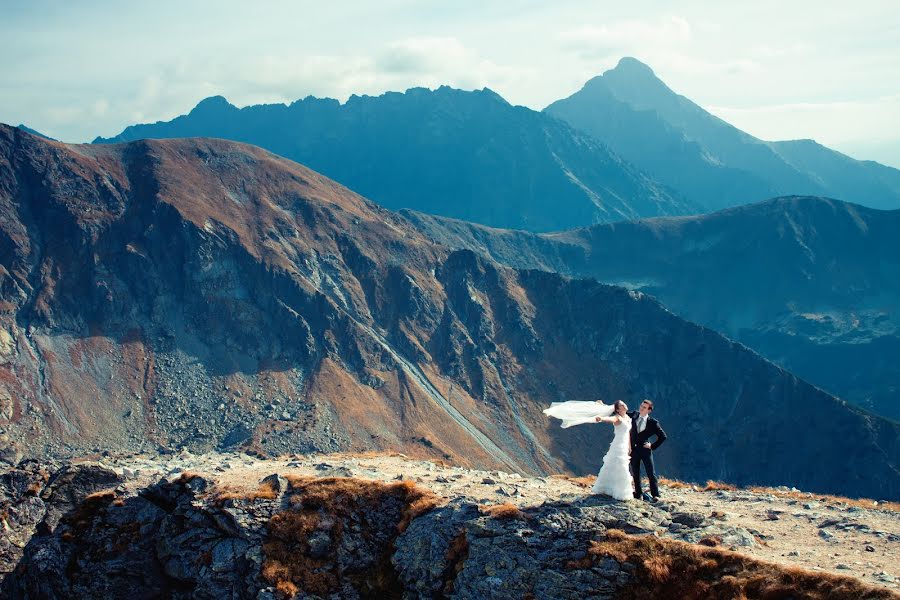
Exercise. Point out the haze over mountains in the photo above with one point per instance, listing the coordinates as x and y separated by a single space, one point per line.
469 155
708 160
813 284
206 293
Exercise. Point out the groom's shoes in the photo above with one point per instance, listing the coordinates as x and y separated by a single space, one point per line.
648 498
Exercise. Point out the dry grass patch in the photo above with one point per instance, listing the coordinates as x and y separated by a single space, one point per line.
504 512
778 493
304 541
187 477
84 514
672 569
714 486
265 491
827 498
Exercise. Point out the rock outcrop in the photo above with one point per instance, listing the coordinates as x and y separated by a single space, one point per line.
298 535
207 294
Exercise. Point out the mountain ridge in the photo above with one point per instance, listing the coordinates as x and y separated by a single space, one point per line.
808 282
705 157
206 294
479 157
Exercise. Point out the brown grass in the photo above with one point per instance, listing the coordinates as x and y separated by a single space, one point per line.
327 507
675 484
672 569
713 486
828 498
187 477
793 495
265 491
80 518
503 512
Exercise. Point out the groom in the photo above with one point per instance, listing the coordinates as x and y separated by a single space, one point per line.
643 427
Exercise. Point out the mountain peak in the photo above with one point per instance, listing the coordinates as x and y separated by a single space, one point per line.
631 65
633 75
212 104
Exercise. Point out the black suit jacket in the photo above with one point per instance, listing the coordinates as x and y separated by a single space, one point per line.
638 439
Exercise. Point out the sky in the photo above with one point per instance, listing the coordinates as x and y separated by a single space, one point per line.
784 69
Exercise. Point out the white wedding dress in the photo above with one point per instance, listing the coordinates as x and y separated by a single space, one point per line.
614 478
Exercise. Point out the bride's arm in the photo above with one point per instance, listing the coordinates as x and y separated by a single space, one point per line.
613 420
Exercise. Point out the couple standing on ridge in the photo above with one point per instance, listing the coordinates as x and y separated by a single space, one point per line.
620 475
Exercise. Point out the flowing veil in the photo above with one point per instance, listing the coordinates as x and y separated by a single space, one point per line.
578 412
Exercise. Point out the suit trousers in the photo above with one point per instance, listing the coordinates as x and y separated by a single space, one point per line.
646 456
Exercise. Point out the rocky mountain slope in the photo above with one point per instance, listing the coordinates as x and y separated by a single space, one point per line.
811 283
229 525
207 294
28 129
707 159
469 155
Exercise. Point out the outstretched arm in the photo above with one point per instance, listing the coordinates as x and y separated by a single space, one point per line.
614 420
660 437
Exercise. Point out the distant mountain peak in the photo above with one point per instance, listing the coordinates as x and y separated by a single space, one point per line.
212 104
631 65
631 76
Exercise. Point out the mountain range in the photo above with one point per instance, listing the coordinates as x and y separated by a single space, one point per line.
811 283
624 147
706 159
469 155
202 293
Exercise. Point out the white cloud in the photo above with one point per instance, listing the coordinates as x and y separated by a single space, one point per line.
600 41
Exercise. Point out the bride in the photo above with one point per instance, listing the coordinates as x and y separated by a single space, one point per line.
614 478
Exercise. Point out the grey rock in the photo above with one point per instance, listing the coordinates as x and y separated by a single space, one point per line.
688 519
826 535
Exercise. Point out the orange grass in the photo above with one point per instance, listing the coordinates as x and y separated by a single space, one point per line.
673 569
265 491
503 512
791 494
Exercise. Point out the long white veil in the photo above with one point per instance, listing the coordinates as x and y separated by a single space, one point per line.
578 412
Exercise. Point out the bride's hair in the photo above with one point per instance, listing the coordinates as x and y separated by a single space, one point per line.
616 406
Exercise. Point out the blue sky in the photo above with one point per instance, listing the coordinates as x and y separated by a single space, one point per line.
779 70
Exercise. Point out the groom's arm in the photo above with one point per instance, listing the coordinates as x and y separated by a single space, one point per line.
660 437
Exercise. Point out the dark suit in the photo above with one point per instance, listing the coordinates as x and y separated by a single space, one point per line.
639 454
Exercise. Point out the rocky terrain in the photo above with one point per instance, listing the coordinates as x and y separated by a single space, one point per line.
357 526
811 283
469 155
210 295
707 159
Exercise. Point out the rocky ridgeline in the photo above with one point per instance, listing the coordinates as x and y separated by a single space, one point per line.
231 525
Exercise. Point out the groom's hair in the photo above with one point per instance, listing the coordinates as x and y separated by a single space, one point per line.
650 402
